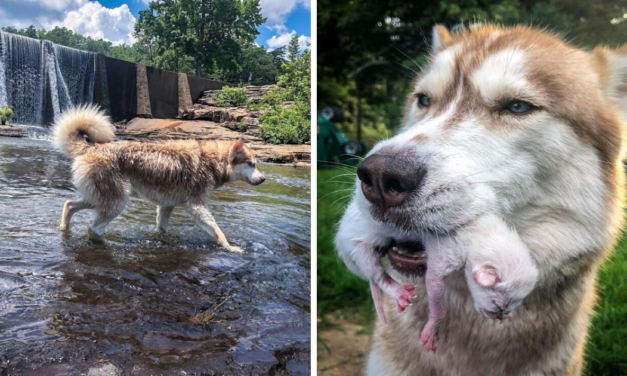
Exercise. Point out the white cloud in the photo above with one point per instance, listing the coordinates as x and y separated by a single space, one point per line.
84 17
283 39
94 20
276 11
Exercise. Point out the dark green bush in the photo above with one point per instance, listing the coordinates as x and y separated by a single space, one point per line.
289 125
6 114
231 97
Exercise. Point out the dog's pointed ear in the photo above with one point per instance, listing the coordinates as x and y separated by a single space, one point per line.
612 69
237 147
486 276
440 38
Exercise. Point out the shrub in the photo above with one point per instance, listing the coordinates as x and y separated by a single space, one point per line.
6 114
285 126
231 97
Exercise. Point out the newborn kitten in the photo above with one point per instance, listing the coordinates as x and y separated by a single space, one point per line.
497 264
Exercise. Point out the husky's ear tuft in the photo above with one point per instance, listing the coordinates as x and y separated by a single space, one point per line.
612 69
237 147
440 37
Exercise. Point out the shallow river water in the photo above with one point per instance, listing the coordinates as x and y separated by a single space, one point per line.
151 304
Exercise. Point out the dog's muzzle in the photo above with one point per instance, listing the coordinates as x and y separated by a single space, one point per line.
389 180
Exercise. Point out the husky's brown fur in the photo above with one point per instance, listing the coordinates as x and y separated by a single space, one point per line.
168 173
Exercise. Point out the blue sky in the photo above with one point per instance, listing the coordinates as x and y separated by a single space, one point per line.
114 19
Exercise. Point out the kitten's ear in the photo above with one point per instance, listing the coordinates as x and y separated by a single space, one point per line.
486 276
237 147
440 37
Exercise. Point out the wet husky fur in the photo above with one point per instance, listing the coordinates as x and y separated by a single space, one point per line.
168 173
554 173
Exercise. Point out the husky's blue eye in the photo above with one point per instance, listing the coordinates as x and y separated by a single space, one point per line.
423 100
519 107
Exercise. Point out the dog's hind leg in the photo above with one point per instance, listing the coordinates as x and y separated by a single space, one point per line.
103 218
205 220
163 217
69 209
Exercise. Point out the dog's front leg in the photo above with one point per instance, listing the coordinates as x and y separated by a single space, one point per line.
202 216
163 217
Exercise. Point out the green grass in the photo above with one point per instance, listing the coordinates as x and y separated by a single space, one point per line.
339 291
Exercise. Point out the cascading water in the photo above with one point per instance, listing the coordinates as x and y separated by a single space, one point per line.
40 79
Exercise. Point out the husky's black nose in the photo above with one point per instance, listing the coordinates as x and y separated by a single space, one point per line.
388 180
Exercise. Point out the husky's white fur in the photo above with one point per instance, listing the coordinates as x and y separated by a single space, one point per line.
553 173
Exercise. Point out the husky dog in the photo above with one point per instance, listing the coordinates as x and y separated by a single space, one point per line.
168 173
515 122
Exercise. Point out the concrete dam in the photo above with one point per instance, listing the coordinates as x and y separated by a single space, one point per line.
40 79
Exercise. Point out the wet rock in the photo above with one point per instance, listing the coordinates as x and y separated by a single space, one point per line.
107 369
252 92
217 114
142 129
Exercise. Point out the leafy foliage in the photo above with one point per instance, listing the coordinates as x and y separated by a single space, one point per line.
64 37
6 114
285 126
231 97
198 36
289 125
207 38
371 49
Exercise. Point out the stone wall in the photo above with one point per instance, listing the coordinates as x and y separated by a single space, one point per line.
137 90
122 87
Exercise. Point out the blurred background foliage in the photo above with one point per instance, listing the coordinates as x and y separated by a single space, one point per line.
369 50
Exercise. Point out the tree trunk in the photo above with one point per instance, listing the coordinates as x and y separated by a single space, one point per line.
198 68
359 118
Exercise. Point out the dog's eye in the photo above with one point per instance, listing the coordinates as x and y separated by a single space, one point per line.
519 107
423 100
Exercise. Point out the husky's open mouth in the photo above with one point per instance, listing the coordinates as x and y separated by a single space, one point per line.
408 257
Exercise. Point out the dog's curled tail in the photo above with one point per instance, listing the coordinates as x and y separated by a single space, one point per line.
78 128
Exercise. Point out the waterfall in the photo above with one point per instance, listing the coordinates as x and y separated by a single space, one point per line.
40 79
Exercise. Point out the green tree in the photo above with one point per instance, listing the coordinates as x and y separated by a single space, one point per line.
293 48
296 77
198 35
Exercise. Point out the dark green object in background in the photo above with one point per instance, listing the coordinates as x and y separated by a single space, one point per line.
333 145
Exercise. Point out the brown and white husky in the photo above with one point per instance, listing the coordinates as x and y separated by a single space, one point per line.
167 173
513 122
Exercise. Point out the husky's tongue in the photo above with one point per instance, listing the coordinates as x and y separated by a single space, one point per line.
407 257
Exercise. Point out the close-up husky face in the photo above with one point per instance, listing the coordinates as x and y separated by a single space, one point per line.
244 165
490 123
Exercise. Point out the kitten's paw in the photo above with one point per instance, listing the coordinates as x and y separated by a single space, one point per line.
429 337
403 295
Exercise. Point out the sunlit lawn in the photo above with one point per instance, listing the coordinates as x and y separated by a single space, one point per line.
339 290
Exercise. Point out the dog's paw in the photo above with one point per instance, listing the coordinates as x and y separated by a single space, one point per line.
94 237
63 227
235 249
